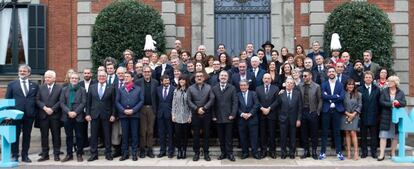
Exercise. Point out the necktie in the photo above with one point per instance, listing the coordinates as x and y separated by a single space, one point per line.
245 97
110 79
50 90
267 89
100 92
289 96
165 92
339 77
26 91
222 87
319 68
369 91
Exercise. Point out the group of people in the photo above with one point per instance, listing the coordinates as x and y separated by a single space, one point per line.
251 96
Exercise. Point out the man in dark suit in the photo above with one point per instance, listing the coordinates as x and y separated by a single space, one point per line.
99 112
85 83
369 114
289 117
333 94
257 71
224 113
248 120
214 76
129 101
200 101
341 76
164 99
243 74
112 78
267 95
312 105
347 64
24 92
49 115
163 69
319 70
147 117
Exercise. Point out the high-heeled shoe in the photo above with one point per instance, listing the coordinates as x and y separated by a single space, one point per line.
380 159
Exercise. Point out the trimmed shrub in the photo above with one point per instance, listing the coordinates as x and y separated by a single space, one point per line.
361 26
124 25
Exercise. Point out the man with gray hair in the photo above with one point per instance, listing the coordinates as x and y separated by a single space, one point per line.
49 115
369 64
201 49
24 92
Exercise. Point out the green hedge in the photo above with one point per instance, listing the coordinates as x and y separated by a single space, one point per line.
361 26
124 25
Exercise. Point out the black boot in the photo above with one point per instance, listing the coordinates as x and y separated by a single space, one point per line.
142 153
314 154
184 153
117 151
179 153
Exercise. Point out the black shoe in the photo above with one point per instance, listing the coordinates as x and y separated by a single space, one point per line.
179 153
93 158
79 158
306 154
231 157
364 155
43 158
142 153
109 157
26 160
244 156
314 155
292 156
283 156
207 157
117 153
272 155
256 156
161 155
374 155
134 158
123 158
67 158
196 157
171 155
222 156
184 155
56 158
150 154
263 154
380 159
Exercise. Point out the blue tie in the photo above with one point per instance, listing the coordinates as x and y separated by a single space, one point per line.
101 92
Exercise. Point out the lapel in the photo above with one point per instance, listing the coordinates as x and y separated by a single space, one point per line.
241 99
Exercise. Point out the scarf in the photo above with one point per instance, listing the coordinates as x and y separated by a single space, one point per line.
128 86
72 93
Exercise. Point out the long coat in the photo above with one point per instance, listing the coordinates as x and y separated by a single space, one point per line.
386 104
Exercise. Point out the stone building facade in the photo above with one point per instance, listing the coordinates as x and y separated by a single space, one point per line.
70 22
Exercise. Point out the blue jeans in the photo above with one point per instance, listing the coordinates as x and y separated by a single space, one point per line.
130 126
331 118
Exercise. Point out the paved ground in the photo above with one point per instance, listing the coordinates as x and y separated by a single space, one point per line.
155 163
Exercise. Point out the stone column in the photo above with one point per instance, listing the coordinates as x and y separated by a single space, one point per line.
85 21
317 20
168 14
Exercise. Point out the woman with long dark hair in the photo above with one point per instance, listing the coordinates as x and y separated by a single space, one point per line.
181 116
350 119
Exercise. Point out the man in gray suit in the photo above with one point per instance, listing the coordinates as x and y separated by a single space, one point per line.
289 117
369 64
312 105
200 101
47 100
224 112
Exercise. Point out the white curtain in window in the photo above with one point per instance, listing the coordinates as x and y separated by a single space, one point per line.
5 22
24 22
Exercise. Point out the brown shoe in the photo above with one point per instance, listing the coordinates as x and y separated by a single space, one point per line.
67 158
79 158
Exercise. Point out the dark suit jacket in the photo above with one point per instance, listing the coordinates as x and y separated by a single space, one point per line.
225 103
133 99
314 96
290 110
337 97
251 107
78 105
82 83
26 104
169 70
370 105
320 77
213 78
52 101
164 105
344 78
199 98
235 80
258 80
154 85
101 108
268 100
